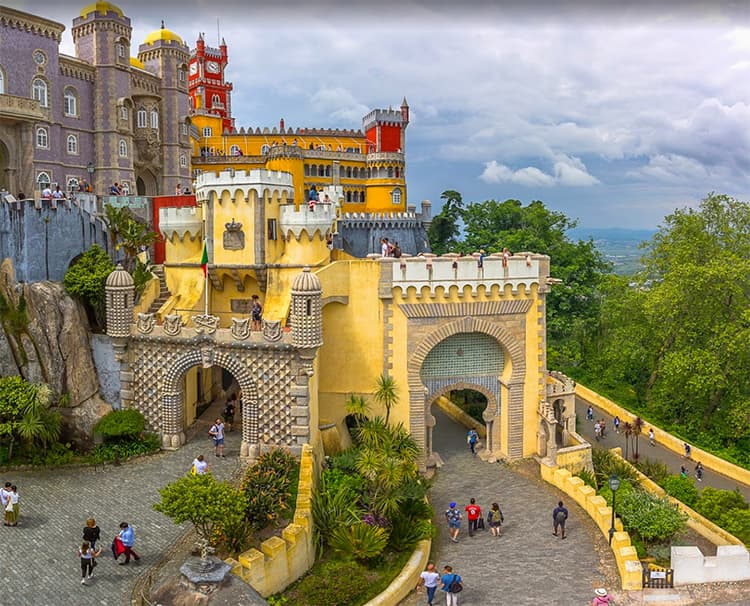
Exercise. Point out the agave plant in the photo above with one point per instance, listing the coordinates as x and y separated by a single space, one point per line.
359 541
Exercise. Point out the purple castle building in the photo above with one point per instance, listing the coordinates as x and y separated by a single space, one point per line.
102 115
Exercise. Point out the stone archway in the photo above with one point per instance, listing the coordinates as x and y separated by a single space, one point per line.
171 397
145 183
421 420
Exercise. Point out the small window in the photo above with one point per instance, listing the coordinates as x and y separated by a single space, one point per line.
348 172
120 47
70 102
123 148
321 171
207 132
124 113
181 76
235 150
307 170
43 180
265 149
215 101
390 172
42 137
308 305
355 173
272 231
2 81
184 129
142 118
72 144
183 161
362 196
39 92
72 184
396 196
154 119
348 196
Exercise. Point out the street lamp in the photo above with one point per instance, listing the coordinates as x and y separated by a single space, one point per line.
91 169
614 484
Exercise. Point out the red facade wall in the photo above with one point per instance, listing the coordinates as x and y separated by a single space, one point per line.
390 138
158 202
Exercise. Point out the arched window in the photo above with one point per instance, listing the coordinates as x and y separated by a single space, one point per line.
124 113
72 144
42 137
234 150
362 196
307 169
72 184
328 171
355 173
207 132
2 81
184 129
141 118
39 92
43 180
348 196
313 170
355 197
398 173
265 149
348 172
70 102
396 196
181 75
321 171
122 148
120 48
154 119
215 101
390 172
183 161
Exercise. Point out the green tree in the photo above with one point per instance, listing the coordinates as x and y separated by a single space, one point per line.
204 502
26 416
87 277
682 489
385 394
446 225
654 519
128 234
714 502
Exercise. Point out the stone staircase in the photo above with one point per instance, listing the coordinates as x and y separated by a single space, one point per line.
164 293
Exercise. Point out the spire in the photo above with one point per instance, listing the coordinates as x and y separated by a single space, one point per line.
162 24
404 103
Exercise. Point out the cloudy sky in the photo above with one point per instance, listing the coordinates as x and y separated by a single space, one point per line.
615 116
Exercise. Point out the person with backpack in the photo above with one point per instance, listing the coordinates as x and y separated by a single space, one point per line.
453 517
217 433
472 438
559 517
495 519
452 586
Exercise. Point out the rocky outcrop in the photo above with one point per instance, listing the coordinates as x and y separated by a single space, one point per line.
45 338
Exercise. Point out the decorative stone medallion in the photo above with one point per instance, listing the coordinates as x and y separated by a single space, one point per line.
241 328
272 330
206 324
145 323
173 324
234 237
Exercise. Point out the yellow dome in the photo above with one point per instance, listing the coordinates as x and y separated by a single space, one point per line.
101 7
163 34
137 63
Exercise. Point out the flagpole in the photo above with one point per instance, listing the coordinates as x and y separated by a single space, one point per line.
206 293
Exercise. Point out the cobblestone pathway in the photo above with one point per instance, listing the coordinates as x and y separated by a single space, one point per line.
526 565
38 558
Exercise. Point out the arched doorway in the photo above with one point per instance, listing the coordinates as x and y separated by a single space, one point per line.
171 397
145 183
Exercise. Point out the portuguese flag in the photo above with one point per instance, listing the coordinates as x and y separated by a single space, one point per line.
204 260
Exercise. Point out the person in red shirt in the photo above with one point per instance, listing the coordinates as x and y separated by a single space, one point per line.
473 513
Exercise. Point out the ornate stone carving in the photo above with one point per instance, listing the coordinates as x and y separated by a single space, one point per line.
145 323
173 324
206 324
241 328
272 330
207 356
234 237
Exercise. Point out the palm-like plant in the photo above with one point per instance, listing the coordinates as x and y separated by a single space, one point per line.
627 430
637 429
385 394
39 425
358 407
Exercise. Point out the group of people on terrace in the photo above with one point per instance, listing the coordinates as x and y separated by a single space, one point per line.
390 249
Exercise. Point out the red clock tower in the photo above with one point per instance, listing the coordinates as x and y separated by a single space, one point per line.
209 93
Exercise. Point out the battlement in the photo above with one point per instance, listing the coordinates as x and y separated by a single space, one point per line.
182 221
297 221
382 116
232 180
451 271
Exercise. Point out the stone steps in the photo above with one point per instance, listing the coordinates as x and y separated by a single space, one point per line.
164 292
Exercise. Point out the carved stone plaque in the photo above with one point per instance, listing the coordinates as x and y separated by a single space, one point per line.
234 237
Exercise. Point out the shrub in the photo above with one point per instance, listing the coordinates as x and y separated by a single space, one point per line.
588 477
625 489
682 489
346 461
124 449
714 502
655 520
120 425
267 488
86 278
405 532
607 464
350 586
654 470
737 522
359 541
332 507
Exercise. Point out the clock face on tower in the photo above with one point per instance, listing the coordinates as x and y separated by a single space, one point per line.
193 69
212 67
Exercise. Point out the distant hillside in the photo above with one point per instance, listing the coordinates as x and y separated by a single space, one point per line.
620 246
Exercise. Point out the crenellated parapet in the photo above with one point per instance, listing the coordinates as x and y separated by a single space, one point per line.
180 222
294 221
230 180
559 384
452 271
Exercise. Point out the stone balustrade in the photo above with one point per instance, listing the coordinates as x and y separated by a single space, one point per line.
21 108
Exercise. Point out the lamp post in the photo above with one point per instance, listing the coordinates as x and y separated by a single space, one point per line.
91 169
614 484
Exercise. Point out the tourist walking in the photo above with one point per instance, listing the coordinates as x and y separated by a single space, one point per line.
452 586
651 437
473 514
597 430
590 413
495 519
429 580
12 507
688 450
217 433
229 409
7 504
91 533
616 424
87 556
699 471
601 597
453 517
200 466
559 517
683 471
472 438
127 536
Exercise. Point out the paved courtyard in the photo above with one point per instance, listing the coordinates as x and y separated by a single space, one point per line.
38 559
526 565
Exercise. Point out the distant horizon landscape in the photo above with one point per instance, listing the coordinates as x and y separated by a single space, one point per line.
620 246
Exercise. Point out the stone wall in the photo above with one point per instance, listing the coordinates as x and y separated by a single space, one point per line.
42 238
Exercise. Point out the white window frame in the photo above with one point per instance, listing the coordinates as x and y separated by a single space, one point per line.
142 118
234 150
70 102
120 49
396 195
122 148
40 91
183 129
2 81
124 112
71 144
71 184
42 182
183 161
207 132
42 137
265 149
215 100
181 75
154 119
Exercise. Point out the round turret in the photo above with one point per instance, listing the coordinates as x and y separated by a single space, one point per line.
306 314
164 34
120 298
